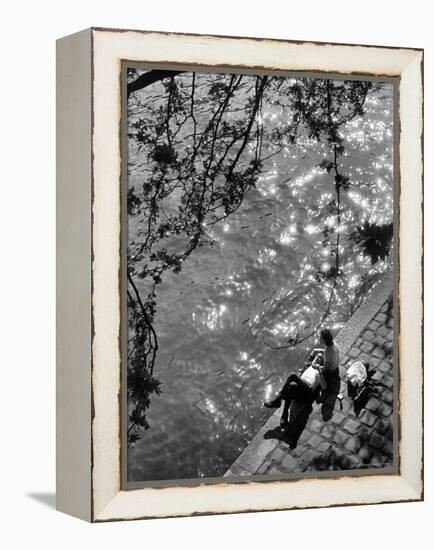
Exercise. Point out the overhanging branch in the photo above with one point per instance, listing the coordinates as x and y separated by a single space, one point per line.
146 79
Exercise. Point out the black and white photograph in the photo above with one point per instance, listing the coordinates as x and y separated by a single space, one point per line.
217 243
258 274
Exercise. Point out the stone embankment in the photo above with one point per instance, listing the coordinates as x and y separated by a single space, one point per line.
335 436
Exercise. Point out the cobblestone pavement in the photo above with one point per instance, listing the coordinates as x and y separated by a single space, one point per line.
333 435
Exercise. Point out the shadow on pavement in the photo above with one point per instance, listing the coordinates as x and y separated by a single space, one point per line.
298 417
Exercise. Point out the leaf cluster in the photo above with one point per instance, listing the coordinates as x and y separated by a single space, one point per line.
374 240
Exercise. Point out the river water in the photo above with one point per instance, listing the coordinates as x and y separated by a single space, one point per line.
258 283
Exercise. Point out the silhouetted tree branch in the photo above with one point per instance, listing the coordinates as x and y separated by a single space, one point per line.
148 78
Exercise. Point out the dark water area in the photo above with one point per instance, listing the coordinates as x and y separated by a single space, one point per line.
258 283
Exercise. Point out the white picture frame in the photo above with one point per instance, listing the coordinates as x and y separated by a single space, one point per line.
89 482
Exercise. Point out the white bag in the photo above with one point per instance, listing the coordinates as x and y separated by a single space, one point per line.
357 374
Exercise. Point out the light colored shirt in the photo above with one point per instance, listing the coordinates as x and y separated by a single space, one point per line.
312 378
331 358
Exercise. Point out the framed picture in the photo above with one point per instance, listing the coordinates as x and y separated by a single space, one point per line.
239 274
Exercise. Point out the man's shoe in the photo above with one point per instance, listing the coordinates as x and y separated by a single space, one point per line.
273 403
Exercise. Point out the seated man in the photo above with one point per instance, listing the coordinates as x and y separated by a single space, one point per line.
331 354
304 388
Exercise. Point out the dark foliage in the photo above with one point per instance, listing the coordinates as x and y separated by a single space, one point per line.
374 240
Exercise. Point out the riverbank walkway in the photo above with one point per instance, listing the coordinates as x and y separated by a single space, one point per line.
334 436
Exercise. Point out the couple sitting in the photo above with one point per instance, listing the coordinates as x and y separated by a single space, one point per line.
323 366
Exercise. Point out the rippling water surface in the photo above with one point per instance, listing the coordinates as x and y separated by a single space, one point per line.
257 282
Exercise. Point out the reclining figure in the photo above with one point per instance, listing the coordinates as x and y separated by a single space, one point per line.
306 387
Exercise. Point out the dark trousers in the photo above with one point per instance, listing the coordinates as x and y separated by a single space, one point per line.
295 388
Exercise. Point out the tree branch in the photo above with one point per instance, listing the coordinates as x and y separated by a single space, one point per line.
146 79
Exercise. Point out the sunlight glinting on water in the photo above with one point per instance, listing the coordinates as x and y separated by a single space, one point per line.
266 255
312 229
289 235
